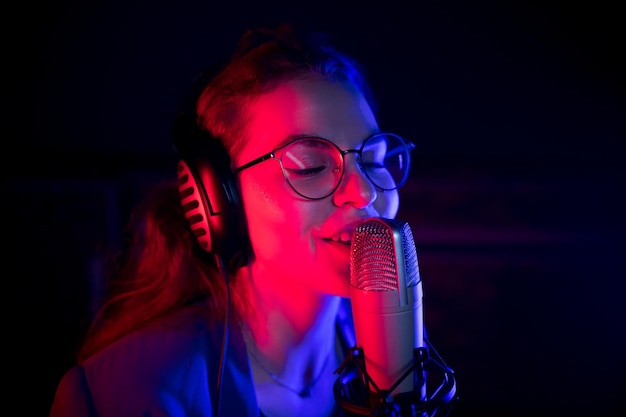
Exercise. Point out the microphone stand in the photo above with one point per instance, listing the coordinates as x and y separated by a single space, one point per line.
353 391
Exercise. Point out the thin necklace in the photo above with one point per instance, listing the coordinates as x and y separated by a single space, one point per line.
306 391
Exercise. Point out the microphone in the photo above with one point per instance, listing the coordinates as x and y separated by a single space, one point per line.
393 366
386 294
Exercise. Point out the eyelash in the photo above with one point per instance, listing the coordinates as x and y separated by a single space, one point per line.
308 172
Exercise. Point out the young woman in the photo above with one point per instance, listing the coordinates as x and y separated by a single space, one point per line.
231 299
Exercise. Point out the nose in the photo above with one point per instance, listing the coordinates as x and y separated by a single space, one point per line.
355 188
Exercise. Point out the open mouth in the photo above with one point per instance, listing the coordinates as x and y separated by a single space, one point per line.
344 238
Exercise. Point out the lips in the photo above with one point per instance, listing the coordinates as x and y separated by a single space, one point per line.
339 230
344 236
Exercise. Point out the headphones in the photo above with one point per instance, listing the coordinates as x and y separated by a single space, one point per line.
206 185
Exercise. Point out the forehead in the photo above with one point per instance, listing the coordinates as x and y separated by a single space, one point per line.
311 106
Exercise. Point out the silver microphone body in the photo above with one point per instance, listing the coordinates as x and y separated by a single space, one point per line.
387 301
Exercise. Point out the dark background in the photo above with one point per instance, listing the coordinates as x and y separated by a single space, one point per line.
515 199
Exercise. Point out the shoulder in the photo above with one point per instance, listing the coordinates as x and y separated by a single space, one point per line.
166 352
72 397
183 333
169 367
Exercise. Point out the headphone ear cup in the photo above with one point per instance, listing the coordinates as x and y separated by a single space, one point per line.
210 201
206 185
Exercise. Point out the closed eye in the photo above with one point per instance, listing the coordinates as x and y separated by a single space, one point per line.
306 172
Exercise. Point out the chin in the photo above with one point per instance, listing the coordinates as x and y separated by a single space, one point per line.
339 287
330 279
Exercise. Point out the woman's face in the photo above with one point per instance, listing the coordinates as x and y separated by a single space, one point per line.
300 244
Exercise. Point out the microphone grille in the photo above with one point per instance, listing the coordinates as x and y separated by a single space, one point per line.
381 248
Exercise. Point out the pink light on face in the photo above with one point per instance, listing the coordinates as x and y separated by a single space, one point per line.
298 243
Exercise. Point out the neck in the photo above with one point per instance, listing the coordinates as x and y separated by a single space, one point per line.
290 329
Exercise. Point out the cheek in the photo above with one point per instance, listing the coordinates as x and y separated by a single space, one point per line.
261 214
274 219
387 204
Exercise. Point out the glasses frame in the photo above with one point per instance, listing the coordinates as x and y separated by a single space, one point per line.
272 155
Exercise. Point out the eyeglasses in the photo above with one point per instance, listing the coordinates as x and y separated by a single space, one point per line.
314 167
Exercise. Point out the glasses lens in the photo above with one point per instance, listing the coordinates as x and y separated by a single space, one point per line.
312 166
385 158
